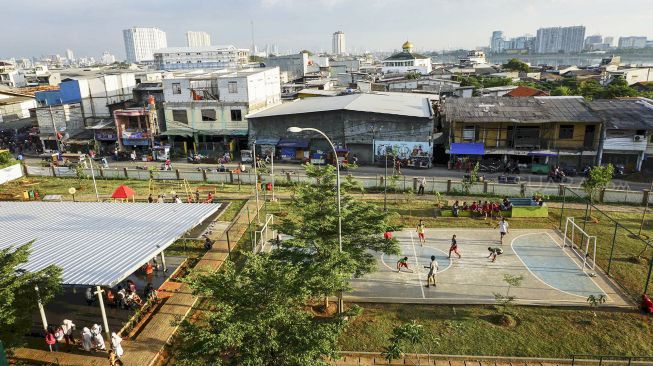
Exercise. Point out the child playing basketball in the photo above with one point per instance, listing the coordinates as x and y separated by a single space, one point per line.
433 268
503 229
403 262
420 232
454 247
494 252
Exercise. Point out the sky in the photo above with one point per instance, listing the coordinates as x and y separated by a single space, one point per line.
89 27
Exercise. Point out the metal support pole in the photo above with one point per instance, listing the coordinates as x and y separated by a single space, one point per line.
385 184
163 262
41 310
97 195
228 242
104 314
562 210
272 172
587 208
648 276
258 218
614 240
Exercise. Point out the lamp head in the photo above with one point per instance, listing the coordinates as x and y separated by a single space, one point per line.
295 129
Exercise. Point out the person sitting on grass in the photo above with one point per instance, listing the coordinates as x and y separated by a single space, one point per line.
473 208
496 209
403 262
486 210
494 252
465 206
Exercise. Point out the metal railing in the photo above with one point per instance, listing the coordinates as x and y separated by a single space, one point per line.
629 360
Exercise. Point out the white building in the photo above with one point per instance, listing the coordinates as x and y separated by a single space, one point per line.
560 39
14 106
338 43
295 66
211 106
140 43
407 61
11 77
209 57
108 58
198 39
632 42
473 58
70 56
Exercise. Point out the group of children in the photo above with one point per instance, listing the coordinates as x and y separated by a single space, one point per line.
485 209
91 339
453 248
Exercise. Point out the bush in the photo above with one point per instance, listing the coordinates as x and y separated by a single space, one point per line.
6 159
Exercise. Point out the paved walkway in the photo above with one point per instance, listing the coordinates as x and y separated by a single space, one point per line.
150 340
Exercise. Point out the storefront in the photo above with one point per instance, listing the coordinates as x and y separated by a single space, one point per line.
290 149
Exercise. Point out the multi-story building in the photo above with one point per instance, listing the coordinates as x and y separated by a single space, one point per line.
560 39
11 77
208 57
338 43
632 42
294 66
407 61
593 39
523 129
108 58
14 106
609 41
207 110
140 43
198 39
496 42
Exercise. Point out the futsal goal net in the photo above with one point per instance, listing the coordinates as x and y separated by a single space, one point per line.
580 242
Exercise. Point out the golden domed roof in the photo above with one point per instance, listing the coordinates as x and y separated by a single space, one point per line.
407 45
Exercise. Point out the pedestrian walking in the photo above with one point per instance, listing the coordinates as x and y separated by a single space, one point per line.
68 327
98 340
402 263
433 268
420 232
454 247
87 339
51 341
503 229
422 184
116 344
494 252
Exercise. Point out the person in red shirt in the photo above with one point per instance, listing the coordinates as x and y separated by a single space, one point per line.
454 247
209 198
486 210
51 341
473 207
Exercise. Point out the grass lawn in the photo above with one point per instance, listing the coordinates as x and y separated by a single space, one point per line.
540 331
232 210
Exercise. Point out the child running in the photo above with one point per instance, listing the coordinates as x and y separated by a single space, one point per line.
494 252
420 232
503 229
454 247
403 262
433 268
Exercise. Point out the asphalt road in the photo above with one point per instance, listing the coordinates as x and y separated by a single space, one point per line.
371 170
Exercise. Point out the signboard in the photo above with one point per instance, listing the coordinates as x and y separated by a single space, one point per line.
402 149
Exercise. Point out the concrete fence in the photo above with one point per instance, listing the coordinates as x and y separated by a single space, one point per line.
402 183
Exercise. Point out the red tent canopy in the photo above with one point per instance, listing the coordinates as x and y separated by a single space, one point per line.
123 192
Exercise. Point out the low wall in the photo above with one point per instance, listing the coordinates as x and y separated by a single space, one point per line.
10 173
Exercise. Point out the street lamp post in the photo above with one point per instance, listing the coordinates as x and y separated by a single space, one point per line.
258 218
335 154
97 195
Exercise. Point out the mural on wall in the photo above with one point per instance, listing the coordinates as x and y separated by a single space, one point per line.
402 149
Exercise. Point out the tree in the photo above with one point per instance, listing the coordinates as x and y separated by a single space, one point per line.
253 58
515 64
618 88
561 90
599 177
467 183
313 225
18 295
512 281
258 317
413 75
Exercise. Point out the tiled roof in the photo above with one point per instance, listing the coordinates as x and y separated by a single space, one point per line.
525 91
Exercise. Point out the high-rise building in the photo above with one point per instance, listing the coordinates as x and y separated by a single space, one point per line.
593 39
496 42
70 56
609 41
338 43
108 58
560 39
632 42
140 43
198 39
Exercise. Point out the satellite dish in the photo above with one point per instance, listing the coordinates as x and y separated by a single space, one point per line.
72 190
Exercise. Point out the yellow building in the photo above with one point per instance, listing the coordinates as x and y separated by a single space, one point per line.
552 130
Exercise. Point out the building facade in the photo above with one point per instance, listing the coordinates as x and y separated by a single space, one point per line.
338 43
560 39
140 43
407 61
208 57
632 42
207 111
295 66
198 39
496 42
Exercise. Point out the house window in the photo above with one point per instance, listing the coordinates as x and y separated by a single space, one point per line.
468 133
232 87
176 88
180 115
208 114
566 132
236 115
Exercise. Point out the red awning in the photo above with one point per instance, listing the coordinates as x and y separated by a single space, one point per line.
123 192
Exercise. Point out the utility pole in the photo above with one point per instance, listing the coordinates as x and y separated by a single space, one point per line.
385 184
258 217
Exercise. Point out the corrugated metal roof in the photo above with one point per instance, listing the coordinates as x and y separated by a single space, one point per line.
383 103
519 110
96 243
633 114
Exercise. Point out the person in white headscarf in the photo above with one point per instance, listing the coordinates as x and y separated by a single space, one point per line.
87 339
98 340
115 344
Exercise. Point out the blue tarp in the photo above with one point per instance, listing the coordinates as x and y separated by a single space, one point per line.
471 148
297 144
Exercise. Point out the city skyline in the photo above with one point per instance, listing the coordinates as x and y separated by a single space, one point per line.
438 25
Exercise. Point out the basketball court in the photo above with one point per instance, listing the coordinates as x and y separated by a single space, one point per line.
553 275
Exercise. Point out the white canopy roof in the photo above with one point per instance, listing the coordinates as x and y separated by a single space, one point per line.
96 243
